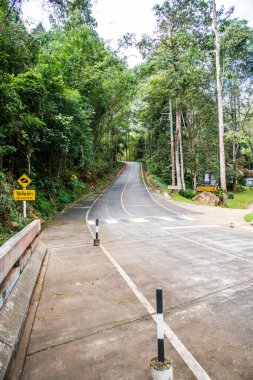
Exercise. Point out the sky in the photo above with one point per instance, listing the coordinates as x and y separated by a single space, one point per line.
118 17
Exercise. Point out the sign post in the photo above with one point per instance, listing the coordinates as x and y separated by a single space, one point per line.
24 207
24 195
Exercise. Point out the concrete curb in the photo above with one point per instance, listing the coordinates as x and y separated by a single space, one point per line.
14 312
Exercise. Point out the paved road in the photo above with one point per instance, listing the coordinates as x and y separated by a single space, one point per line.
146 242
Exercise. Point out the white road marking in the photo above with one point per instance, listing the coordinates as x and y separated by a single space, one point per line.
205 226
166 208
213 248
121 197
91 222
190 361
80 206
166 218
186 217
111 221
141 205
139 220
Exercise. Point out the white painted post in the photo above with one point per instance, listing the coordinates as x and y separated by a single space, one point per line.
161 367
97 240
24 206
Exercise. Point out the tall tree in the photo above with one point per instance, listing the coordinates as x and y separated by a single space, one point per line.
223 181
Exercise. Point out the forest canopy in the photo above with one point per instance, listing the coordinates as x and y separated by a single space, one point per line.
69 104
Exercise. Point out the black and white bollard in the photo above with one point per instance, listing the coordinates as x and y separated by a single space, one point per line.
161 367
96 240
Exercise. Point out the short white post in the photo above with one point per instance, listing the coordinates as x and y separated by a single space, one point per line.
96 240
24 206
161 367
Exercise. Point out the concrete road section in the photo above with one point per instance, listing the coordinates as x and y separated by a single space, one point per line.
95 317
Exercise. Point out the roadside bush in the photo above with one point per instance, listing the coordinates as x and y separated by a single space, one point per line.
240 188
230 195
9 209
219 194
43 205
64 197
187 193
241 180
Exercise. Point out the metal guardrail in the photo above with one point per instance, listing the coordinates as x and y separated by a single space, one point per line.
14 255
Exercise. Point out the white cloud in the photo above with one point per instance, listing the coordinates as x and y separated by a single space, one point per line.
118 17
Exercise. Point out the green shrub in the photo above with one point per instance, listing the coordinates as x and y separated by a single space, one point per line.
218 193
43 205
241 180
187 193
249 217
64 197
230 195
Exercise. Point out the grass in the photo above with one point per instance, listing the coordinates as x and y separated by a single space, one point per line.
249 217
241 199
5 234
179 198
164 186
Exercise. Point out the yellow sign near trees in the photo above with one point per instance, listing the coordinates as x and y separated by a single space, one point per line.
24 195
24 180
206 188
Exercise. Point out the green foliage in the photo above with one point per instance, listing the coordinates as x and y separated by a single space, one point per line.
242 199
230 195
219 194
187 193
249 217
9 209
241 180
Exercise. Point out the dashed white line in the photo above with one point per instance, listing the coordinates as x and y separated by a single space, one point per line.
139 220
167 219
183 227
111 221
91 222
186 217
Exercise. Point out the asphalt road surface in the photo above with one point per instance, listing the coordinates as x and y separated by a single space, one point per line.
94 320
205 271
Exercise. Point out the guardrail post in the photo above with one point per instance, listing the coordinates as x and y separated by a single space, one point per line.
97 240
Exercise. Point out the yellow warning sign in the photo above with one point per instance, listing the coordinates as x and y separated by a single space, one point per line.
24 180
206 188
24 195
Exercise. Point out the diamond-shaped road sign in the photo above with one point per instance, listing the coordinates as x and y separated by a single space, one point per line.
24 180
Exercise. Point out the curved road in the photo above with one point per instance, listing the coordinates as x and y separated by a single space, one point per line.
205 271
95 315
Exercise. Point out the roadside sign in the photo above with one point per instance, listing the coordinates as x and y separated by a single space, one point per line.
24 180
24 195
206 188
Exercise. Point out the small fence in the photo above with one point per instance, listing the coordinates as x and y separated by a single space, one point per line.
14 255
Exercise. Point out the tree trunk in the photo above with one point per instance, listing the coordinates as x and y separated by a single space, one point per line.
220 108
177 147
173 179
235 148
181 161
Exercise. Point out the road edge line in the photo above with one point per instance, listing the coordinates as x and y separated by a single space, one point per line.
161 205
187 357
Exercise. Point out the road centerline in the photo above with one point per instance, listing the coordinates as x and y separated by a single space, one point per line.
122 193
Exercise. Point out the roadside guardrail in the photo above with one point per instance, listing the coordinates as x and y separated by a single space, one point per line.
14 255
21 258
